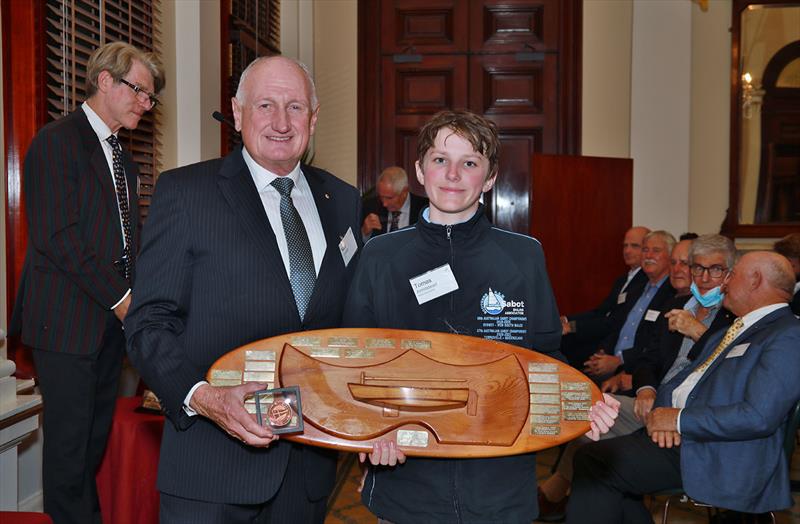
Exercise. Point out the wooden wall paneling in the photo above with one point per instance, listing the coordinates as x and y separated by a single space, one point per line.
580 210
412 93
429 26
369 105
24 112
514 25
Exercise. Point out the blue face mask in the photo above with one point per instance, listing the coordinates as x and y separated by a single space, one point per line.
710 299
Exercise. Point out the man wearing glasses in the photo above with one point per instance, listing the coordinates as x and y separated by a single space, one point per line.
81 204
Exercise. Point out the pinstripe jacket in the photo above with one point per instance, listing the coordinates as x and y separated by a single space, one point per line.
69 282
211 279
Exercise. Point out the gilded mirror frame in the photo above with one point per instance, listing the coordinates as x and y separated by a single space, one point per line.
732 226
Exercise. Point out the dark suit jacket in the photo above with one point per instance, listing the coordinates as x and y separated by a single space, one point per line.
594 325
211 279
372 204
733 425
644 330
660 353
69 282
795 304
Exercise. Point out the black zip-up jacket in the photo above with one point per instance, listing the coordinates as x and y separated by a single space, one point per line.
503 293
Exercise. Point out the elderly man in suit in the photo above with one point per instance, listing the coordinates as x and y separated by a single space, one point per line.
718 427
392 207
238 249
789 246
80 198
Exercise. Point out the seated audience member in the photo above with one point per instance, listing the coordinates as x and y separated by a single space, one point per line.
789 246
553 491
689 320
392 206
582 332
633 322
718 428
457 162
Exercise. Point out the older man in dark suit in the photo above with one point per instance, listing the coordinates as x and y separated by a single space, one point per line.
237 249
80 198
392 206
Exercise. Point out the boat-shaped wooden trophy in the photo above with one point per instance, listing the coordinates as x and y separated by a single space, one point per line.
438 395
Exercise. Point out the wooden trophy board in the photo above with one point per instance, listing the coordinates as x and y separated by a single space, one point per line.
437 394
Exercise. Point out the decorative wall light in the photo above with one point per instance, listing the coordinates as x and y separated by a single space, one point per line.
752 95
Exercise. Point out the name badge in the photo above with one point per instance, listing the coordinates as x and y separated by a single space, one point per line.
651 315
621 298
433 284
348 246
737 350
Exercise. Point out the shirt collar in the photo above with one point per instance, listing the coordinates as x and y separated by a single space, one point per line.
658 284
100 128
757 314
264 177
632 272
406 207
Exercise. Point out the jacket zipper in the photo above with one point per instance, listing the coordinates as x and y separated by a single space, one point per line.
449 229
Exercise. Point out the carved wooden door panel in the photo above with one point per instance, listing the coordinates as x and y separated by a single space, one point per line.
499 59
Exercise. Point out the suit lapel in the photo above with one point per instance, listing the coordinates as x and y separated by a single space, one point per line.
239 190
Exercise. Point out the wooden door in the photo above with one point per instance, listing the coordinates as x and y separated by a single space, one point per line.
513 61
580 210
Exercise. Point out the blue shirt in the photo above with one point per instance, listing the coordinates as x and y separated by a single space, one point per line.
628 333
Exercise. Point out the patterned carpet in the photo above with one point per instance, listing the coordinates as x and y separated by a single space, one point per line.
347 507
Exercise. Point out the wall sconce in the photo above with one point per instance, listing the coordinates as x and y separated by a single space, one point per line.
752 95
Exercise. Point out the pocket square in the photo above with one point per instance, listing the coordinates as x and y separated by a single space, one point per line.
737 350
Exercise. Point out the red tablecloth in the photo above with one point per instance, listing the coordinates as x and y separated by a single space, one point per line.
126 481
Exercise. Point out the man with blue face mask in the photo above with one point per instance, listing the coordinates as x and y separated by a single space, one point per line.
691 317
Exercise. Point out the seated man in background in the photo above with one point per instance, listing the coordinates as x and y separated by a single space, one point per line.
553 491
392 206
634 321
582 332
718 429
789 246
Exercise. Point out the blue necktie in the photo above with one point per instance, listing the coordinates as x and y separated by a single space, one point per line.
301 260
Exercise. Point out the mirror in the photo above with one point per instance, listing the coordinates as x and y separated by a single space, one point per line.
765 120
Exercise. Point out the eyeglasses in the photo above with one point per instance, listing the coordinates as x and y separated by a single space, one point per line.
143 96
713 271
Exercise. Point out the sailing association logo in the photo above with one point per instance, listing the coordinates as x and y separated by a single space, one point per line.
493 302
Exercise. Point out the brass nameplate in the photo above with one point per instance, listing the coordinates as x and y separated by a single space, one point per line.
576 415
575 386
343 342
545 409
534 367
259 365
543 378
576 395
544 388
411 343
538 398
324 352
545 430
258 376
545 419
380 343
225 374
414 439
306 341
225 382
259 355
576 406
358 353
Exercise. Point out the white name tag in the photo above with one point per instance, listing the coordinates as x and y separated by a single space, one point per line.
621 298
348 246
651 315
433 284
738 350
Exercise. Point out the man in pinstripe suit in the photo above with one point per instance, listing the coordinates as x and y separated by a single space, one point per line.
216 271
80 198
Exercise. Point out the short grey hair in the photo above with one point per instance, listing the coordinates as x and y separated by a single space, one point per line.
665 236
712 244
304 68
396 176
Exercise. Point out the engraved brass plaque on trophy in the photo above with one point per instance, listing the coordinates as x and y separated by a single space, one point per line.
436 394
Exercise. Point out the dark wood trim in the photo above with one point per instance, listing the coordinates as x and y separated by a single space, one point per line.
369 62
571 59
22 415
24 112
731 226
224 70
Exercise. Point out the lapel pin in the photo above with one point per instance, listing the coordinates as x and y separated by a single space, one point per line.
327 196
